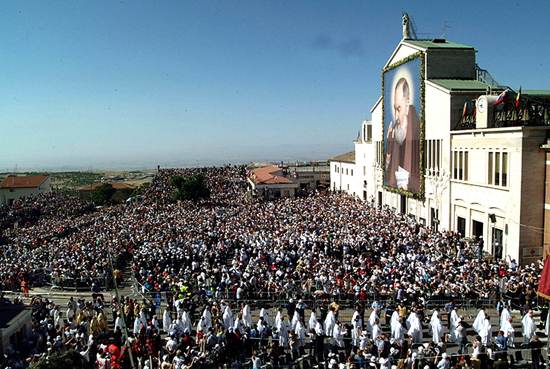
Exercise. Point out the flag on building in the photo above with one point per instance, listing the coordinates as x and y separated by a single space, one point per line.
544 283
518 97
465 108
359 134
503 97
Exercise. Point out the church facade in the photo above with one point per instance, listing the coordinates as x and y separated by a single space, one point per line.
455 151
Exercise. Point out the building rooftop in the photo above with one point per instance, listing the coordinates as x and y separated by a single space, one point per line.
270 175
460 84
9 314
437 43
14 181
348 157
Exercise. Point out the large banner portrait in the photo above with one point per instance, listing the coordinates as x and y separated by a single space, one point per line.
403 90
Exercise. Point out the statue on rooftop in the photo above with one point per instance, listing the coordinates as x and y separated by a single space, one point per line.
406 27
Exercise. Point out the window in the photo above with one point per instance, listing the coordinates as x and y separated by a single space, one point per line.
497 169
364 170
460 165
352 172
379 152
368 137
433 156
346 171
336 169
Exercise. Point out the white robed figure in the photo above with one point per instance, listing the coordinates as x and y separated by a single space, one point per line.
282 331
294 320
394 318
300 331
263 313
155 323
312 323
504 316
227 317
415 328
207 314
355 315
372 320
528 327
330 321
478 322
143 318
436 328
137 326
338 335
509 332
376 330
455 319
177 324
201 325
397 330
238 326
356 325
319 329
166 320
278 317
247 316
118 323
486 332
186 320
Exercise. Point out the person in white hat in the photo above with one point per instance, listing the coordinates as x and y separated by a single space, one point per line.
443 362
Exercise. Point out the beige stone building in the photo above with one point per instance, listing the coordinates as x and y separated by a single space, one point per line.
469 165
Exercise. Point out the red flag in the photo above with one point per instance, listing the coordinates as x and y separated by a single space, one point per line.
517 98
544 283
465 108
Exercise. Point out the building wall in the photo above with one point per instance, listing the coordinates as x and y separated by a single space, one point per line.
455 64
467 197
12 194
533 168
346 177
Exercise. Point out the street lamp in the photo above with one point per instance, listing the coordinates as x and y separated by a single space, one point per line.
438 184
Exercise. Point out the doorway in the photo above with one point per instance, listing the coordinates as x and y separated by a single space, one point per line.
477 228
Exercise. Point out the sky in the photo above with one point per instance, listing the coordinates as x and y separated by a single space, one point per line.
129 85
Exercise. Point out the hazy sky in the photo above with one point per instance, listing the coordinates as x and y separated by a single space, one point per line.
131 84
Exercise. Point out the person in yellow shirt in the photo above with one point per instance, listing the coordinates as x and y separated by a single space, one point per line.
118 277
402 310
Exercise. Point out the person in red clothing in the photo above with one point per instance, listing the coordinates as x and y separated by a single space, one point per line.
25 288
113 350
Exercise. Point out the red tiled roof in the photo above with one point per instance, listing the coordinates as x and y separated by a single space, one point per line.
14 181
116 186
270 175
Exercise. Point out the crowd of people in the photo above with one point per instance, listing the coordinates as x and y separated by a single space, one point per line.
233 248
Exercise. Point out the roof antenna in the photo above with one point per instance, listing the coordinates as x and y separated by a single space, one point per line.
445 26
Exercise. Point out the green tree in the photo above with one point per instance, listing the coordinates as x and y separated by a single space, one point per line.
102 194
192 188
125 193
176 181
68 360
141 190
